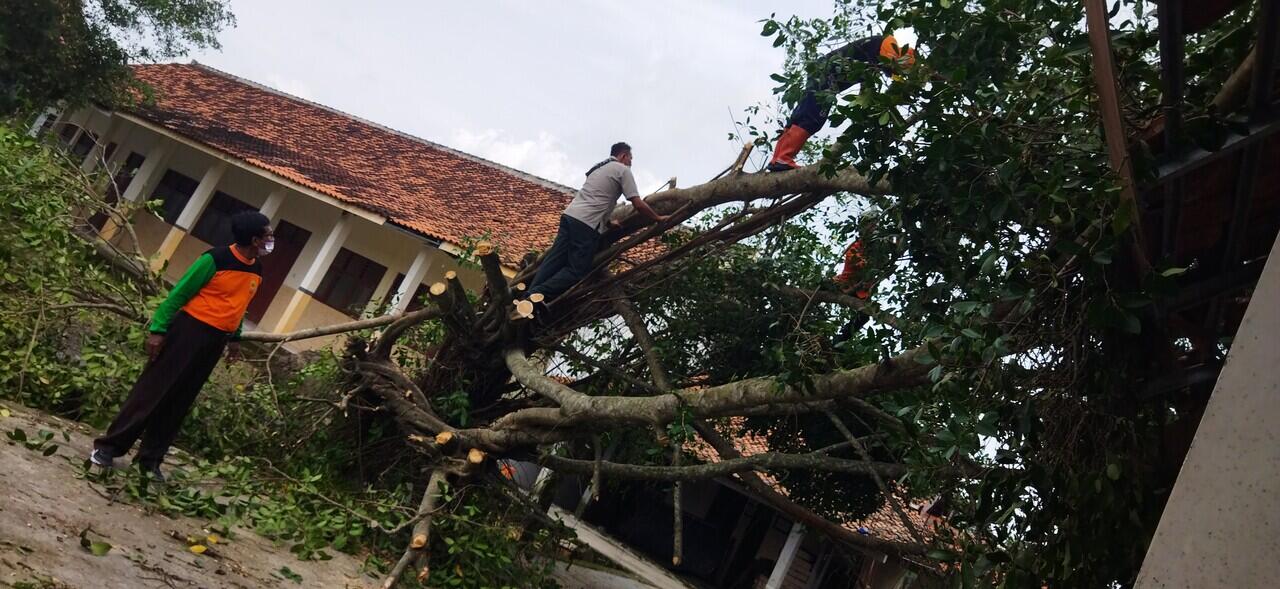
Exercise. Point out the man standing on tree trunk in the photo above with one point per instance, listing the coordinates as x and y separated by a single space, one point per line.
201 317
585 220
832 74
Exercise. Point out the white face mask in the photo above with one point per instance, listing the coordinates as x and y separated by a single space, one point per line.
267 247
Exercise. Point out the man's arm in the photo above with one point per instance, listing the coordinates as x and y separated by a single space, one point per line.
198 275
647 210
632 193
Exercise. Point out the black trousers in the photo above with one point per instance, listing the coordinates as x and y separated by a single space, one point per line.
165 391
568 260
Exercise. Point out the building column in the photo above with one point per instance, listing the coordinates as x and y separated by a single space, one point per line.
95 155
271 206
412 278
189 215
149 173
79 118
786 557
315 273
1219 526
380 292
143 182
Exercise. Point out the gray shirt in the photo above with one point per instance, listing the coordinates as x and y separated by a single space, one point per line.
599 194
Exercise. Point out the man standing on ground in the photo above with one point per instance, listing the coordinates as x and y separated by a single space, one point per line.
585 220
200 318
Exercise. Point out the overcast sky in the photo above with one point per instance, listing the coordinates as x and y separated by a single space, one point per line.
545 87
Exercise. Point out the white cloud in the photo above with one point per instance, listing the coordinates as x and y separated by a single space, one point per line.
541 156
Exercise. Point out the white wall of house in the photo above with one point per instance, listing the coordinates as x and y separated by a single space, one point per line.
393 248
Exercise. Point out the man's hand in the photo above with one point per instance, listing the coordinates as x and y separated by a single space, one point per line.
614 225
233 352
155 341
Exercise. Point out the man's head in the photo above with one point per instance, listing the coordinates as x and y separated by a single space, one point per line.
252 232
621 152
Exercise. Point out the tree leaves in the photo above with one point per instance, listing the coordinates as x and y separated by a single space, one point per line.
94 547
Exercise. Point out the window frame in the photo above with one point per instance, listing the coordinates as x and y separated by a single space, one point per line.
350 283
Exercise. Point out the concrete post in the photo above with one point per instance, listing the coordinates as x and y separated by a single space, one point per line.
143 182
315 273
271 207
786 557
94 156
1221 526
380 292
417 272
149 174
189 215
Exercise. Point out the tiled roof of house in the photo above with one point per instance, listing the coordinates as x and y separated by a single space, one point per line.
419 185
884 523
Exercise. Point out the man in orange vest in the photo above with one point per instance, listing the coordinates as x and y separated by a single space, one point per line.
833 75
853 279
200 318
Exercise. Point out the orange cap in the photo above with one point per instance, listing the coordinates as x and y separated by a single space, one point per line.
889 49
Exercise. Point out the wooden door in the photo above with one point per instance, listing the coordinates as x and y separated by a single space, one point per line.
290 239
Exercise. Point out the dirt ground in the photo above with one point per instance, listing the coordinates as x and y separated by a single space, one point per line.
44 508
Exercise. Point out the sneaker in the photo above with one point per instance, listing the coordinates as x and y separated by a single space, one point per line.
102 459
779 167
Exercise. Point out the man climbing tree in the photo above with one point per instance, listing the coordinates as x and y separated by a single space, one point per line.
585 220
201 317
832 74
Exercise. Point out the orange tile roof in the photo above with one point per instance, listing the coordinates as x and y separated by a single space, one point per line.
884 523
422 186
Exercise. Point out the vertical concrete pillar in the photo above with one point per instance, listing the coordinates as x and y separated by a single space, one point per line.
316 270
380 292
1221 526
78 118
786 557
149 173
143 182
271 207
189 215
94 156
412 278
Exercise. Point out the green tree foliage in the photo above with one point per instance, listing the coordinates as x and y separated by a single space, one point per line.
1003 200
79 51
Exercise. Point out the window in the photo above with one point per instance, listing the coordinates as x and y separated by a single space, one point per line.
68 133
214 226
84 144
419 295
47 123
350 282
174 190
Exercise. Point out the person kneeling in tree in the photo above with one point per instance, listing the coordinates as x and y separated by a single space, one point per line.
853 279
585 220
833 75
201 317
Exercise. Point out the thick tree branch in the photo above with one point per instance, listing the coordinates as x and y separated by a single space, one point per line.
337 328
761 461
418 553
